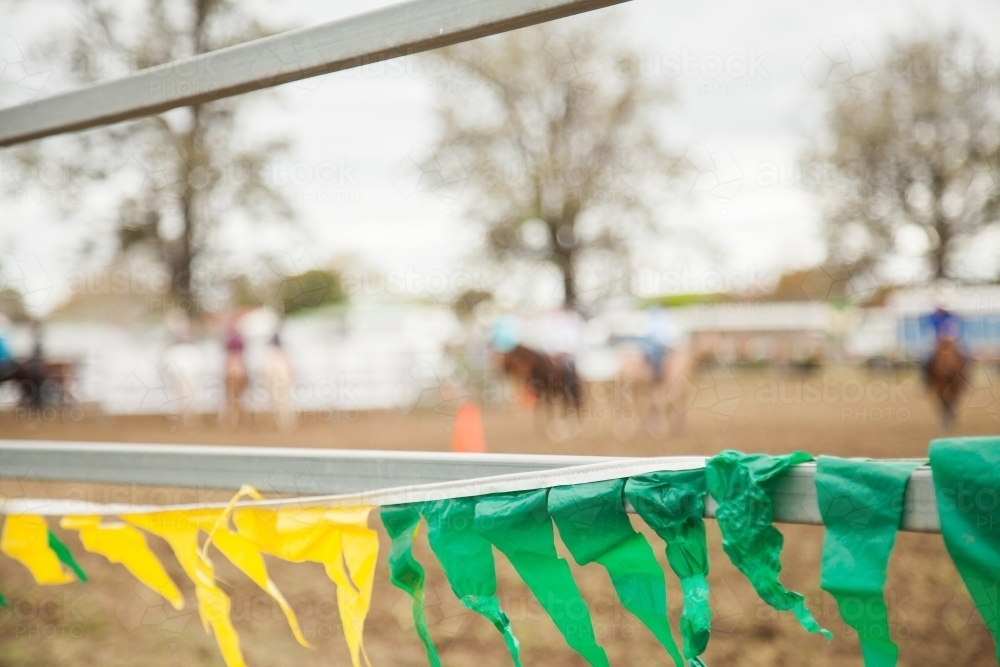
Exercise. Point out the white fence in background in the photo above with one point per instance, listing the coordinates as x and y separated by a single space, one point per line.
378 357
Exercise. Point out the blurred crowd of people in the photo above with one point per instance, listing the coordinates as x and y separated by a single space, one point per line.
184 364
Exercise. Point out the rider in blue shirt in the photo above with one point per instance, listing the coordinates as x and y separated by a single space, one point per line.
947 326
945 323
658 341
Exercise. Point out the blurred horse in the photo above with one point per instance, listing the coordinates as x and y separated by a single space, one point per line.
39 382
663 394
552 381
945 377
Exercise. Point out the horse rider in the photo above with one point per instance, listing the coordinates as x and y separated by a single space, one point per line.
655 343
505 334
8 366
658 341
947 326
563 336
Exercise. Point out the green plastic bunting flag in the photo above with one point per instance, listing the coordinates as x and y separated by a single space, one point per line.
966 478
739 483
467 560
518 524
65 556
595 528
673 505
402 522
862 505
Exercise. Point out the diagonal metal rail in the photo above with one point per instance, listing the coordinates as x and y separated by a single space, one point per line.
340 471
397 30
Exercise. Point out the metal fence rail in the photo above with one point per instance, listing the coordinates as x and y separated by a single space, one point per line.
333 471
386 33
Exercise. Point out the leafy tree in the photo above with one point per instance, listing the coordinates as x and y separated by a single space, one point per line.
12 306
175 177
465 304
916 151
309 290
550 131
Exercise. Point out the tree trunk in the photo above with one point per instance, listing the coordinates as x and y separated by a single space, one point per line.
939 255
564 257
569 282
185 252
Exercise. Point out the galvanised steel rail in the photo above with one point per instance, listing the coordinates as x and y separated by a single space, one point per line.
393 31
339 471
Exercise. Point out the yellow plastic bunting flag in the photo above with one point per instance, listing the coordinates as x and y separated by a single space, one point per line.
180 530
121 543
242 553
25 538
339 539
354 594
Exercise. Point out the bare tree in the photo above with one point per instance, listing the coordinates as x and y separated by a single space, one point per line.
177 174
917 149
550 130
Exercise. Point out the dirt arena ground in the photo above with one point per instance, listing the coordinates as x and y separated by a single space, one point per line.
113 621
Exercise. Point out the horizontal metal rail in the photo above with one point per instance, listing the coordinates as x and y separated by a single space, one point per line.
393 31
270 469
334 472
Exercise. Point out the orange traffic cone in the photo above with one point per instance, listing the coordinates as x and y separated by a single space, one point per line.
468 435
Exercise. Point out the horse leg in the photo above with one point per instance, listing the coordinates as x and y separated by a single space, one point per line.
573 408
540 410
947 415
950 397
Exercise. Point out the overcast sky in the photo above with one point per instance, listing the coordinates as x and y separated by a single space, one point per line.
751 122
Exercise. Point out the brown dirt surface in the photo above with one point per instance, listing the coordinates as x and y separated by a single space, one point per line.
114 621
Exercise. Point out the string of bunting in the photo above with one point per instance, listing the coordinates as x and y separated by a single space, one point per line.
860 500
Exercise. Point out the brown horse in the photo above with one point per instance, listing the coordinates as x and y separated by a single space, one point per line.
945 377
553 381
